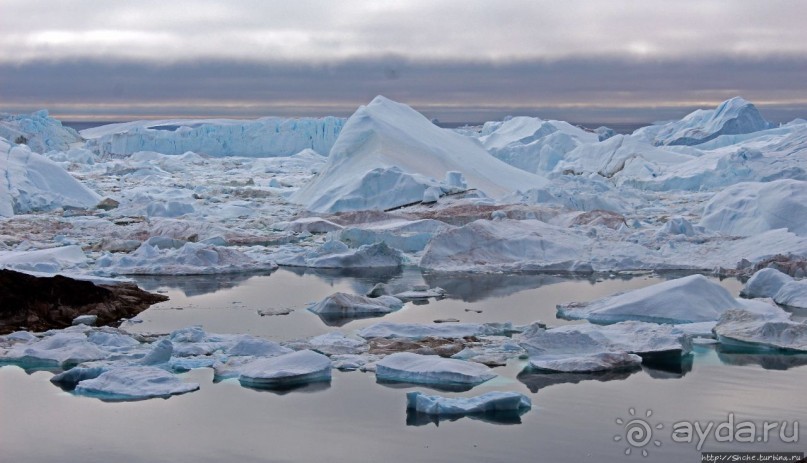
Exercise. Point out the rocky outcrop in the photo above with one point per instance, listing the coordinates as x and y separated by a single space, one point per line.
40 303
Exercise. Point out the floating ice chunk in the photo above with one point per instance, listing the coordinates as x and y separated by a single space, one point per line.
431 369
683 300
407 236
160 353
88 320
258 347
603 361
485 403
134 383
435 330
286 370
351 305
750 208
63 348
793 294
765 283
432 195
772 329
332 344
422 293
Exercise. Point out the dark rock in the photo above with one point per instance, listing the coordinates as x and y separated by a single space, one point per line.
42 303
107 204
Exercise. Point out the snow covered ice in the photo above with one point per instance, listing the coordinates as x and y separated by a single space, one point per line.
407 367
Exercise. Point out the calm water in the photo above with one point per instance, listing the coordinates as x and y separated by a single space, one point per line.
355 419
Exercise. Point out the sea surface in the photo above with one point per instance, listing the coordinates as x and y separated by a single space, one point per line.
573 418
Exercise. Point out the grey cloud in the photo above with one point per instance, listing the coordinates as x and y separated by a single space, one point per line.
583 90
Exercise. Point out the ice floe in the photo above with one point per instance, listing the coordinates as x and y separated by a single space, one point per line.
485 403
407 367
287 370
682 300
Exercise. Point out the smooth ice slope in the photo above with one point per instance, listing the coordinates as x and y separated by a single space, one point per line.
30 182
431 369
734 116
134 383
285 370
751 208
684 300
385 155
263 137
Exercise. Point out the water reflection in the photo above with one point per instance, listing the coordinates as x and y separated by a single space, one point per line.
536 380
767 360
476 287
336 320
195 285
436 387
305 388
415 418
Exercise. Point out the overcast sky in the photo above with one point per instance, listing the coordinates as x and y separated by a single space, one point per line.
581 60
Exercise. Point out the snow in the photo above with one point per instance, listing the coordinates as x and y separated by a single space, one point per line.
387 155
431 369
134 383
588 363
683 300
32 182
747 209
734 116
263 137
450 406
286 370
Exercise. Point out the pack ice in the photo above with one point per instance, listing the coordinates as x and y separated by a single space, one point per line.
38 131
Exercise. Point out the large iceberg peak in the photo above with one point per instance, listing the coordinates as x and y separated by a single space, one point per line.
731 117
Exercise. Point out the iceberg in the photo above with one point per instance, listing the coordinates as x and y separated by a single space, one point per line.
770 329
287 370
431 369
351 305
765 283
336 254
683 300
388 155
188 259
38 131
751 208
32 182
265 137
451 406
134 383
734 116
587 363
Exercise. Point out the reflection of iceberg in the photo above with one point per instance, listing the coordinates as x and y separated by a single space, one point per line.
361 280
669 367
414 418
731 355
536 381
195 285
471 287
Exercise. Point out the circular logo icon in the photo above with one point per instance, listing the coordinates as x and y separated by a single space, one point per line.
638 432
